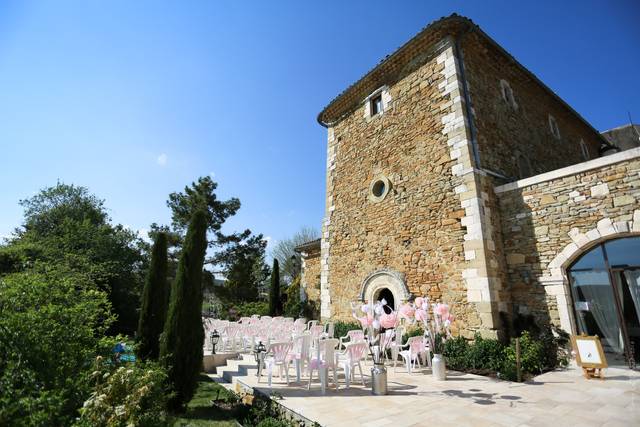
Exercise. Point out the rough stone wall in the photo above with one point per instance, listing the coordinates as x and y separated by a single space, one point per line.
547 225
504 131
416 230
310 279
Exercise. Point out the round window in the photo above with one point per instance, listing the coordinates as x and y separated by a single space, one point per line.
379 188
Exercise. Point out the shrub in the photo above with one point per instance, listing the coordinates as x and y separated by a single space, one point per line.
181 343
134 394
455 353
50 324
248 309
532 357
485 354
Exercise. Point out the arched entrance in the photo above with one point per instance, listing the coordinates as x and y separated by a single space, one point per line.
387 284
605 289
387 295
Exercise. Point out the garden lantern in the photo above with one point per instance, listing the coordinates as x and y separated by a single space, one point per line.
215 337
259 353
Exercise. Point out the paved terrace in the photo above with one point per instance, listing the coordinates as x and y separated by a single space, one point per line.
561 398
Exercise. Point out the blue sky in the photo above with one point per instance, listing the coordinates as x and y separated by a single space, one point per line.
135 99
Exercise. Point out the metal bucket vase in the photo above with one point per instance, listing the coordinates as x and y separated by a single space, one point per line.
378 379
438 367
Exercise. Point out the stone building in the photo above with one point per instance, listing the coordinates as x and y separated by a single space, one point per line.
453 172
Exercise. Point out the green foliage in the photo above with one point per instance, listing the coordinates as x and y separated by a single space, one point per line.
245 270
266 413
68 228
51 321
201 196
275 305
532 357
412 331
294 306
489 356
485 354
250 308
181 343
340 328
154 302
134 395
455 353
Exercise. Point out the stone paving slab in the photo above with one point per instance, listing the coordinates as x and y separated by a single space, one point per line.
560 398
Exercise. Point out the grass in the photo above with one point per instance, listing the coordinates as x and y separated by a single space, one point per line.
202 412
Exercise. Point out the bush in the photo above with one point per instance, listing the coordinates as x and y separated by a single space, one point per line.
455 353
485 355
248 309
50 324
488 356
532 358
134 394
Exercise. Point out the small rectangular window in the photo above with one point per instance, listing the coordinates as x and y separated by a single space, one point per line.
376 105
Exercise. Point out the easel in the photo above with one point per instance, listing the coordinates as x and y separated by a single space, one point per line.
589 355
593 373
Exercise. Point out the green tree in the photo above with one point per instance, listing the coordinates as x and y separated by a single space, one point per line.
245 270
274 291
66 226
183 336
201 195
155 299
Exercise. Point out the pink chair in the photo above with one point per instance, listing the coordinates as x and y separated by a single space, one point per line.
416 349
279 352
324 360
352 336
301 353
350 358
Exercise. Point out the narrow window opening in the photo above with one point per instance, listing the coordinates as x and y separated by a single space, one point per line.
376 104
553 126
585 150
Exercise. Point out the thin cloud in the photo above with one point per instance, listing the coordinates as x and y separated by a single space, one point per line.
162 159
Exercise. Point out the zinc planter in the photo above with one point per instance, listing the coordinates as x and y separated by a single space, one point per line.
378 379
438 367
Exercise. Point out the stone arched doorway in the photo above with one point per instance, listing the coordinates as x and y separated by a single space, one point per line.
387 284
604 285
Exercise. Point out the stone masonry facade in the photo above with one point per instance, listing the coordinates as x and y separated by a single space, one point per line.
550 220
419 151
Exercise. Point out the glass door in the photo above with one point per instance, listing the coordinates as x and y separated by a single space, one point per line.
605 285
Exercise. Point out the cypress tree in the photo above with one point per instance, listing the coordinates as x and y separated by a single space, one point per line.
155 298
274 291
183 336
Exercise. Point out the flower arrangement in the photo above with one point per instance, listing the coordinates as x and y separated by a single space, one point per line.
374 321
436 320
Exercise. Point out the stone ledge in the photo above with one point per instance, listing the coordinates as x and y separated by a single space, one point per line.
570 170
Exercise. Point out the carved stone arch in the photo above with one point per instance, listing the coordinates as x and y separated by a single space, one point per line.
385 278
555 278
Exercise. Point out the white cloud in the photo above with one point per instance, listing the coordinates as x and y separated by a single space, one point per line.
212 174
143 233
162 159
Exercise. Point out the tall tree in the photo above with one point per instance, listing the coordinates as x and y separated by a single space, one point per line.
274 292
245 270
183 336
288 258
201 195
155 298
67 226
